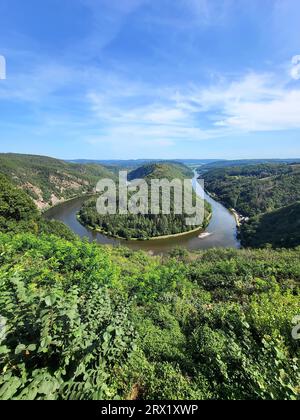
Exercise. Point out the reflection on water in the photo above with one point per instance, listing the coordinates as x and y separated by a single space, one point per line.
222 228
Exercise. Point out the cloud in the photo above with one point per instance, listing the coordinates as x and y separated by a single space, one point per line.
274 115
37 83
260 103
252 103
106 107
295 70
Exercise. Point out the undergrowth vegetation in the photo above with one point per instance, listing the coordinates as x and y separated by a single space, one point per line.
81 321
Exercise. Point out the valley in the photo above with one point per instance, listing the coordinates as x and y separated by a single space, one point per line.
174 322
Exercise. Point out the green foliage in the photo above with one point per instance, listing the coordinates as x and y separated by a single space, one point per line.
244 162
55 227
81 321
19 214
136 226
255 189
65 333
280 228
163 170
17 211
47 180
269 193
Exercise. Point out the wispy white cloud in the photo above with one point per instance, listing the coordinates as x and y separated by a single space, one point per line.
252 103
37 83
256 102
114 109
295 69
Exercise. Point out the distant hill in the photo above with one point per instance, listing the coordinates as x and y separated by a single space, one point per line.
49 181
135 163
280 228
244 162
170 170
131 163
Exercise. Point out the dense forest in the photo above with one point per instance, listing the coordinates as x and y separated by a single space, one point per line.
255 189
221 164
144 226
279 229
137 226
49 180
84 321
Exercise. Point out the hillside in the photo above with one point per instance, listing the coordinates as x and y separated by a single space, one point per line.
244 162
49 181
255 189
280 228
17 210
18 213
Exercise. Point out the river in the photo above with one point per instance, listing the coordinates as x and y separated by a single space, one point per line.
222 228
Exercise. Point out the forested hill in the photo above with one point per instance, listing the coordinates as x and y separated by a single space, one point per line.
280 228
244 162
170 170
255 189
49 181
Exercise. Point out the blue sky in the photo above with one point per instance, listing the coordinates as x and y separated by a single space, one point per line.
107 79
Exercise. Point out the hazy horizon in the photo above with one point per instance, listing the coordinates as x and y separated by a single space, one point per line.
155 158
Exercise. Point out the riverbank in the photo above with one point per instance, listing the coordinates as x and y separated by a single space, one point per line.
238 217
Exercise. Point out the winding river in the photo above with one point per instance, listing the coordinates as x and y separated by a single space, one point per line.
222 229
